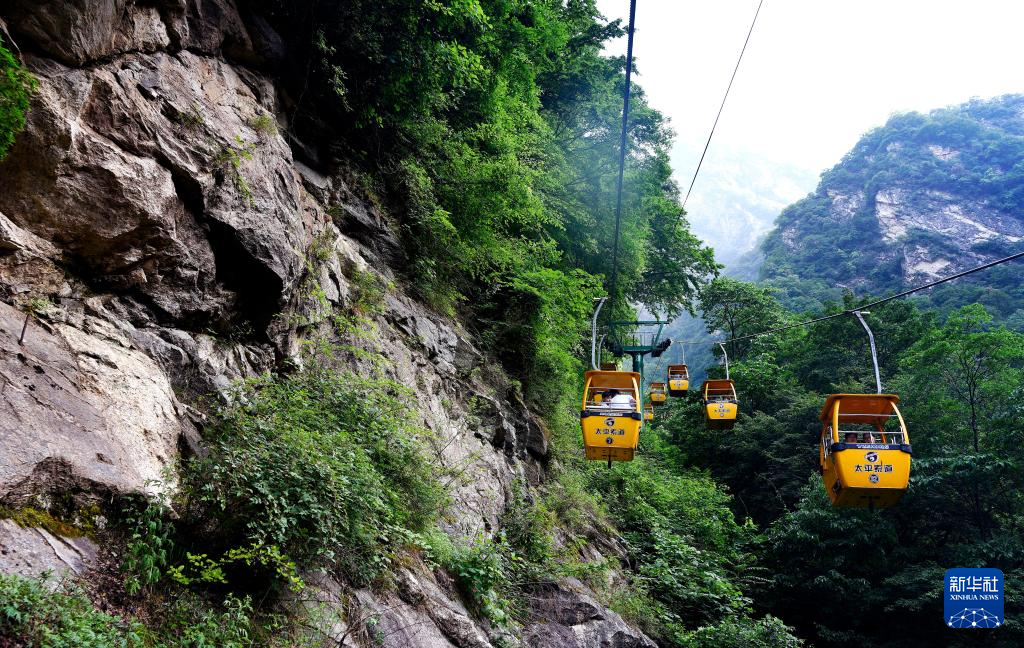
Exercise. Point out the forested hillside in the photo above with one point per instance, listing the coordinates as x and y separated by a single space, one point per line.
854 577
921 197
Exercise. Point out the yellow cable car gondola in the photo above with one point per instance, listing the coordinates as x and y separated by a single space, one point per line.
649 412
720 404
611 416
865 450
678 380
658 393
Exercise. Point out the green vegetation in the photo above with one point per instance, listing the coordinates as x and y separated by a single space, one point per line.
147 549
49 614
849 576
192 118
16 88
32 614
321 469
264 124
970 153
29 517
232 157
689 559
322 466
492 128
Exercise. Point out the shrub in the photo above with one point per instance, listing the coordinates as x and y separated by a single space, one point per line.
323 465
190 622
232 157
203 570
31 613
482 571
16 88
146 552
265 125
742 632
529 529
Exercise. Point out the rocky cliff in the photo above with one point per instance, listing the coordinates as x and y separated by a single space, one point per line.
164 234
921 197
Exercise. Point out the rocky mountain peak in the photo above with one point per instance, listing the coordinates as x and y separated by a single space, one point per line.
922 196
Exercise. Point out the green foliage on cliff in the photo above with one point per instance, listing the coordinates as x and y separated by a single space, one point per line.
323 466
969 155
689 565
850 576
492 127
16 88
48 613
33 614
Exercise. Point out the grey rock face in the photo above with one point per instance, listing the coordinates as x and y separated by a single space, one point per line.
79 31
954 219
208 208
80 408
420 614
569 618
30 552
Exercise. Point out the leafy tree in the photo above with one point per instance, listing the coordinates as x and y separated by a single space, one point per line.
967 372
738 308
835 354
960 383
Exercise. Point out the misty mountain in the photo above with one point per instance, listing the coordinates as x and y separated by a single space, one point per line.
737 198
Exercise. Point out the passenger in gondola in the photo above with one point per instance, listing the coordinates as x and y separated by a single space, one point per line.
851 437
619 400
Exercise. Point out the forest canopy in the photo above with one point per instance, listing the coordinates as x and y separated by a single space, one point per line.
844 576
492 126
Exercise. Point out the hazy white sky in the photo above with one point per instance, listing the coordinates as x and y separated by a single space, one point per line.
817 73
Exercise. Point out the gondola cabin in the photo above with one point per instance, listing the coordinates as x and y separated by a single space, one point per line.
611 416
648 412
865 450
658 393
720 404
678 380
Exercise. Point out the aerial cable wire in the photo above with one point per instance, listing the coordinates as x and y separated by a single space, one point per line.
721 107
622 147
863 308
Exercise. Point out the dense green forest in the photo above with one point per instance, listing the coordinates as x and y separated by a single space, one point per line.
846 577
968 156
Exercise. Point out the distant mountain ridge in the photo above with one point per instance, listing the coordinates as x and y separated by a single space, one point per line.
921 197
738 197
